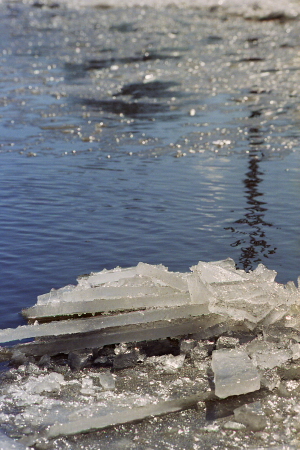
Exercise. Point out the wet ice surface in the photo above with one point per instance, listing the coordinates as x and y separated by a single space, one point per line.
225 383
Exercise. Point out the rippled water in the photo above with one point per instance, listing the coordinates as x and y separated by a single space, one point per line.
130 135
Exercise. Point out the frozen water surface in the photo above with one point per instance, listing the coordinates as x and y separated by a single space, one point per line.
156 134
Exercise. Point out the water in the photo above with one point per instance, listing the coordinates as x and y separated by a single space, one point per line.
167 136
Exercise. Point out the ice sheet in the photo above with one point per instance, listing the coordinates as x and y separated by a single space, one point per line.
101 322
105 305
234 373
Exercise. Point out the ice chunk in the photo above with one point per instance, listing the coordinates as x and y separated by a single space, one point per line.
227 342
262 273
51 382
270 379
107 381
161 273
252 416
128 359
10 444
266 355
231 425
218 272
198 290
167 363
295 348
234 373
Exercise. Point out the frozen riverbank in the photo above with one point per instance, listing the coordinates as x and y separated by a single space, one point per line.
231 355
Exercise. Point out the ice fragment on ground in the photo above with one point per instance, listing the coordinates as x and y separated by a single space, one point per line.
252 416
124 360
227 342
295 348
187 345
167 363
7 443
51 382
219 272
107 381
234 373
101 322
231 425
125 415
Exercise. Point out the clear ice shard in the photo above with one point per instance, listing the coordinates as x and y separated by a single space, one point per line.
234 373
125 415
7 443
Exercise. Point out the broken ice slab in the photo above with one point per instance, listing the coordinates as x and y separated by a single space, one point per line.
101 322
7 443
234 373
78 293
161 273
267 355
106 276
202 327
105 305
126 415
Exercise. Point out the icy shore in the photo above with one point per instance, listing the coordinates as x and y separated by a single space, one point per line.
220 342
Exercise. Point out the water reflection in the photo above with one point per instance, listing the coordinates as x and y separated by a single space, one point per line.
252 226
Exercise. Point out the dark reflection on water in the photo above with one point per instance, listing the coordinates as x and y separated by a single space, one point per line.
253 240
154 89
140 110
79 70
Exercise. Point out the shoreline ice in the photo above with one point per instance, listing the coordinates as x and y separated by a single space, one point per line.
241 327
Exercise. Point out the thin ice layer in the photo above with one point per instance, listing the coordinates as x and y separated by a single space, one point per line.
124 416
105 305
100 322
234 373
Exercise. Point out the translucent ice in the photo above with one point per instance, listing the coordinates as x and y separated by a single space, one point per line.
252 416
267 355
101 322
10 444
90 304
123 416
175 280
234 373
167 363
